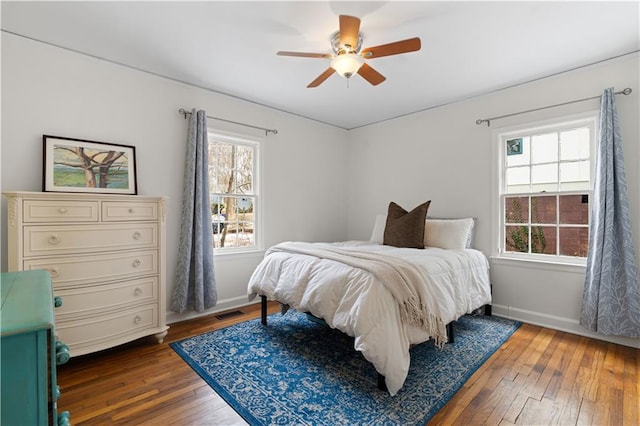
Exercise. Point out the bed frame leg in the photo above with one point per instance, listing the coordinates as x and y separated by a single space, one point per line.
382 385
263 310
487 310
450 332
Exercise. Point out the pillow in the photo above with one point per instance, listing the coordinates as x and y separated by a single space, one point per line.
469 243
405 229
447 233
377 236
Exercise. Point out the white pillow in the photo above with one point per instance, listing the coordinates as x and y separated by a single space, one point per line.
448 233
377 236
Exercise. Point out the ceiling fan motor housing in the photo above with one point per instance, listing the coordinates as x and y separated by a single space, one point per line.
340 49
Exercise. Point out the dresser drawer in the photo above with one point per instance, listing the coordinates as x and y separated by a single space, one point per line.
82 301
57 240
60 211
89 270
113 211
102 331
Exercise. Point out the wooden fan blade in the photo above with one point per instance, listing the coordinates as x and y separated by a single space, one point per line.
371 75
403 46
322 77
349 30
306 54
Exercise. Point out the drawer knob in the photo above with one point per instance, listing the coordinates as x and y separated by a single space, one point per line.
62 353
53 271
137 291
54 240
131 211
63 419
137 235
137 263
137 319
57 301
62 210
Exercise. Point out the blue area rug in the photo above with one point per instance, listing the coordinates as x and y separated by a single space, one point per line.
299 371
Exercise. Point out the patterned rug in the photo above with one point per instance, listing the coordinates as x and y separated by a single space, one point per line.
299 371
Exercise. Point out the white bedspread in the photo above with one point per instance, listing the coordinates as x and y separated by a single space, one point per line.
354 301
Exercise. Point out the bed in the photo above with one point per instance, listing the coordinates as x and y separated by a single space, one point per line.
388 298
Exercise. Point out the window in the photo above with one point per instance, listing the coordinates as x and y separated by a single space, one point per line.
545 187
233 186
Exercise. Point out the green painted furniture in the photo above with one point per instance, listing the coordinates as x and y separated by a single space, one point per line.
29 351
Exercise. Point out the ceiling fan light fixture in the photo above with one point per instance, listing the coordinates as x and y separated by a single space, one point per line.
347 64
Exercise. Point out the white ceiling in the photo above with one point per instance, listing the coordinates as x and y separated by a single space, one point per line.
468 48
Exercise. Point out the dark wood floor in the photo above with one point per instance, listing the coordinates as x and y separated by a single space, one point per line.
538 377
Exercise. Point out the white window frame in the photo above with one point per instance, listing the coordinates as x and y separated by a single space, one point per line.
499 135
256 143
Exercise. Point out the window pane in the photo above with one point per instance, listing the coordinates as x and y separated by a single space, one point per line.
543 239
245 235
544 148
574 209
244 182
519 159
517 179
574 144
575 175
574 241
547 173
220 164
544 178
516 209
244 158
543 209
517 239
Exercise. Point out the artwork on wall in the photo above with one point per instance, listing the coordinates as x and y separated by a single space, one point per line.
514 146
77 165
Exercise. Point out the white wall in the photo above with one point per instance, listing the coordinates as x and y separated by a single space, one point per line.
442 155
439 154
47 90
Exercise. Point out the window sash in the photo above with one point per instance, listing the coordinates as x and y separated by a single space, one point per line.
236 220
572 179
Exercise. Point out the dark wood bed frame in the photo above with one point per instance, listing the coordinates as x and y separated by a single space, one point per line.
381 380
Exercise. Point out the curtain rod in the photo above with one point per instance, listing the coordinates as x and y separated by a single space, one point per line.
266 131
488 120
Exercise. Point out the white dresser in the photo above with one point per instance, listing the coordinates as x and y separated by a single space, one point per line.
106 256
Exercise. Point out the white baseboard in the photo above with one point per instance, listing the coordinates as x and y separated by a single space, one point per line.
569 325
222 305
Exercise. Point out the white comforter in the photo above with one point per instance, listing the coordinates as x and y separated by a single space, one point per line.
354 301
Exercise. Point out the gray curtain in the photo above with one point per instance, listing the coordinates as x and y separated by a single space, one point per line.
611 298
195 287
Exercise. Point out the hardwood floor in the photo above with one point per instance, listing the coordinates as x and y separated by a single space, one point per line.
538 377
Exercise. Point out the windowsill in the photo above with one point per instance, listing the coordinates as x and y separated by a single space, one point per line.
576 268
238 253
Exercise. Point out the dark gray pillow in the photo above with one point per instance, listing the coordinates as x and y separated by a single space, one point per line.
405 229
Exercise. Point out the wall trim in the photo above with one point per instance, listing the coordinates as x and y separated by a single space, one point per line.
553 322
568 325
222 305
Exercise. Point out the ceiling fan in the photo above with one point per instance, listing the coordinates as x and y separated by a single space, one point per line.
348 58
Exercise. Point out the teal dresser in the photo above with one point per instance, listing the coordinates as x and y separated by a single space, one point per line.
29 351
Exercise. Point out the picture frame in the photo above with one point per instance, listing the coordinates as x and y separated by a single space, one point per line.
80 165
514 146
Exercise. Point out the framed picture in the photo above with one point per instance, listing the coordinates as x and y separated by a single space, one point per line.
77 165
514 146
